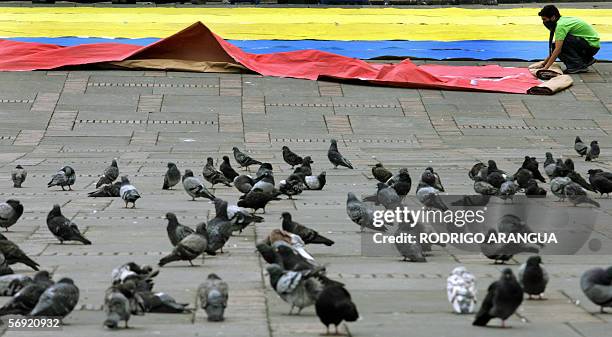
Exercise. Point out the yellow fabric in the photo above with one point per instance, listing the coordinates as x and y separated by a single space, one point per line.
439 24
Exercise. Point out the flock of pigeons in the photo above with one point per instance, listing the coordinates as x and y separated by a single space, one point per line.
294 274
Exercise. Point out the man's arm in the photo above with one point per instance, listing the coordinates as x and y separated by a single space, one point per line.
553 57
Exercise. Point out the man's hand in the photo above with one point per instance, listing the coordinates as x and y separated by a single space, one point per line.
553 57
538 65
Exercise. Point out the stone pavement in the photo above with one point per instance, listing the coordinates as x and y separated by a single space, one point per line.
147 118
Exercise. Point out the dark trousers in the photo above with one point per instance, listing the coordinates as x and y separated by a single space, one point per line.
576 52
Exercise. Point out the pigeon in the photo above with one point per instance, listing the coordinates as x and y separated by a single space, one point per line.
240 218
270 255
110 174
557 186
172 176
492 167
531 164
569 164
504 251
298 288
219 228
496 179
412 252
361 214
117 308
227 170
316 183
476 169
192 246
195 187
11 284
550 166
305 168
472 200
600 182
291 186
244 160
484 188
532 277
160 303
388 197
26 298
176 231
429 197
596 284
5 268
290 259
265 182
212 175
13 254
310 236
336 158
106 191
437 181
10 212
255 199
62 228
64 177
291 158
508 189
561 170
522 177
58 300
504 296
380 173
335 305
593 152
141 276
533 190
578 195
402 184
279 237
510 223
128 192
461 290
580 147
18 176
244 183
213 295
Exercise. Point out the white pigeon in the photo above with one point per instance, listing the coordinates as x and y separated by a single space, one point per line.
461 291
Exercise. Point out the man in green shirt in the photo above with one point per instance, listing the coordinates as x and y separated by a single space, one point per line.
575 41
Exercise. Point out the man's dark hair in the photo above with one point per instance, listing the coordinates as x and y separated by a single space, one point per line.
549 11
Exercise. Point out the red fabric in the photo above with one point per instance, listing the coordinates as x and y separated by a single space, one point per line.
198 43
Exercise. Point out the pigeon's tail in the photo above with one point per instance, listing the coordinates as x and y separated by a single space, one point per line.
215 312
322 240
82 239
482 319
592 202
103 181
13 308
351 315
17 184
112 321
167 259
29 262
205 194
371 198
165 186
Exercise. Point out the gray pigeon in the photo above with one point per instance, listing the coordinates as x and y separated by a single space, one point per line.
188 249
195 187
58 300
265 183
110 174
336 158
240 218
244 183
5 268
26 298
11 284
308 235
315 183
412 252
388 197
10 212
580 147
219 228
429 197
18 176
62 228
244 160
227 170
484 188
476 169
213 295
128 192
106 191
596 284
508 189
380 173
533 277
305 169
256 199
504 296
504 251
176 231
298 288
212 175
557 186
437 183
117 308
578 195
263 168
172 176
13 254
66 176
291 157
600 181
160 303
550 166
593 152
361 214
291 186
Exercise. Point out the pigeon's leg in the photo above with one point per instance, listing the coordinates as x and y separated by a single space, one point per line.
336 330
503 324
63 189
6 228
291 310
264 210
327 330
221 250
299 310
529 298
601 310
540 297
126 325
191 263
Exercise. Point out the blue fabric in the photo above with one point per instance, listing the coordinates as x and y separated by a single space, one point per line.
474 49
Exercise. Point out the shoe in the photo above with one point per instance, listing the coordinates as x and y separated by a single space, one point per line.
576 70
591 62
